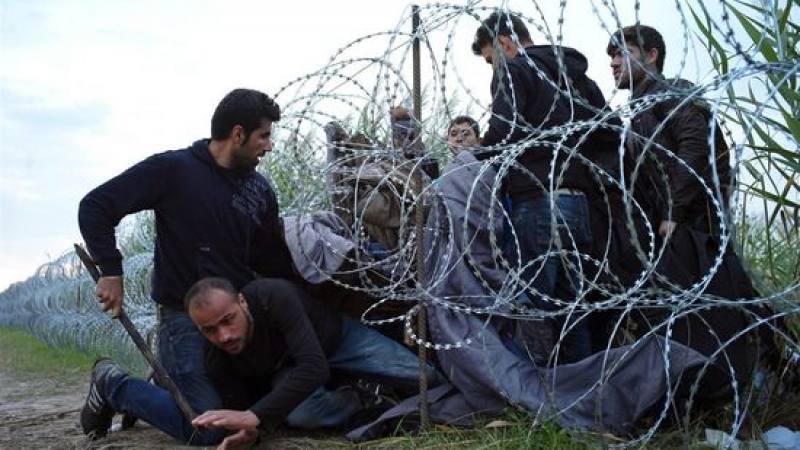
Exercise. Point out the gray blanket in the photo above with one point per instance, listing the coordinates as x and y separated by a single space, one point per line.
319 244
467 291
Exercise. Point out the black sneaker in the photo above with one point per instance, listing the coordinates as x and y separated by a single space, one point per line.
374 394
97 414
375 398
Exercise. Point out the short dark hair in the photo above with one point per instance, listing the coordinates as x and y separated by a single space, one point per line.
644 37
199 290
245 107
497 25
466 119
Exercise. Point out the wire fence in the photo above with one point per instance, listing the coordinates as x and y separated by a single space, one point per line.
362 84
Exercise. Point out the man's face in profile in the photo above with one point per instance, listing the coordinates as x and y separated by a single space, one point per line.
628 66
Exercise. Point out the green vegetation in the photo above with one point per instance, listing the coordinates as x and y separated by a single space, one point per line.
765 106
760 109
519 430
771 255
23 357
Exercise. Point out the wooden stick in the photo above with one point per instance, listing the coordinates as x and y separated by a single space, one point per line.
160 375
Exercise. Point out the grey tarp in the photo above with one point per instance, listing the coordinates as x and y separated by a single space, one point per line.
319 243
609 391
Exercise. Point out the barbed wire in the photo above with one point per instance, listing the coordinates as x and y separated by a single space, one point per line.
358 88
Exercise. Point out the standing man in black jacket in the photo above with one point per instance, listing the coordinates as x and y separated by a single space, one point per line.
215 216
533 97
679 174
669 139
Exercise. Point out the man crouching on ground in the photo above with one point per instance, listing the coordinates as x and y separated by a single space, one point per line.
273 349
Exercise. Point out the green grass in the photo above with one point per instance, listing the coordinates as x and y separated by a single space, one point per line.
521 430
515 430
515 433
24 357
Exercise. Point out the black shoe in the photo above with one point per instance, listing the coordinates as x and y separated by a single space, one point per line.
375 398
97 414
128 422
374 394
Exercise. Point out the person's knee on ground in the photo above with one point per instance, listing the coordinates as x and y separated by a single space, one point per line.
325 408
112 391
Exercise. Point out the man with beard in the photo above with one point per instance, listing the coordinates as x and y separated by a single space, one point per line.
669 186
215 215
678 170
273 349
533 95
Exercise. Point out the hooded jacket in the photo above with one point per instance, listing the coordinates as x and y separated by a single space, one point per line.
209 220
528 109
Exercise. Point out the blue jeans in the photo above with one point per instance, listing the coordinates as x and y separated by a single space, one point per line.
180 351
552 276
363 353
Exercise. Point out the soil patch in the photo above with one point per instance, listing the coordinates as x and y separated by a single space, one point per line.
43 414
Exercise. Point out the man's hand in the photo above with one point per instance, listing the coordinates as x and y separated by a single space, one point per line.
244 424
240 439
110 293
666 228
227 419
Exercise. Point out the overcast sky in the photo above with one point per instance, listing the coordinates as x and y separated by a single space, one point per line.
89 87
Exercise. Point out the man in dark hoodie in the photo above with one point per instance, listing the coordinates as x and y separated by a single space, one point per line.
549 179
215 215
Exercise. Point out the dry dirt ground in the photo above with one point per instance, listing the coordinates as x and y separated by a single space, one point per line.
43 414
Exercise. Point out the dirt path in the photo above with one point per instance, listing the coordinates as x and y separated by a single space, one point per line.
43 414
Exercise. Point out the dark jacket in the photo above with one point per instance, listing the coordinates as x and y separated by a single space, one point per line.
682 127
291 331
210 221
526 108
